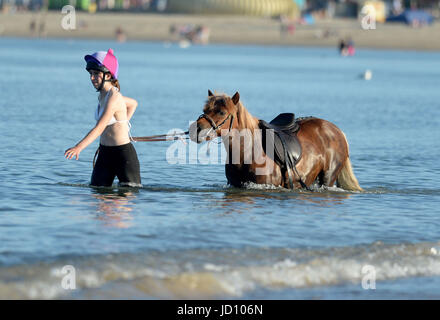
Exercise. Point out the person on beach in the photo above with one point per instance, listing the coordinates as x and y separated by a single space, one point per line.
346 47
343 48
116 154
350 47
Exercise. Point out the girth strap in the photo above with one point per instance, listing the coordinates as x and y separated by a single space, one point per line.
287 167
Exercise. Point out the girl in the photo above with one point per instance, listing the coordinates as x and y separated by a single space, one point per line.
117 156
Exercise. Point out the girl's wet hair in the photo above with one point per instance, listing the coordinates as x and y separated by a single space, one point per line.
115 82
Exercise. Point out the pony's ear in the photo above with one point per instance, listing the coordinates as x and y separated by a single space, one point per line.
236 98
210 93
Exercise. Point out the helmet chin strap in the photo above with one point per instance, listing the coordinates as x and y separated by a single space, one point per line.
103 81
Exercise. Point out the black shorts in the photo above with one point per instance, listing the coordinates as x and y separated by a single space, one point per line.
120 161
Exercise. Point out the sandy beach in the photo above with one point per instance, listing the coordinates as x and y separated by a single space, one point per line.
223 29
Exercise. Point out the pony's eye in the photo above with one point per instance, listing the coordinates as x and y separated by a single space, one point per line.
222 113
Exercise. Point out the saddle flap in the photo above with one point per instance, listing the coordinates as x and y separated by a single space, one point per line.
292 148
284 142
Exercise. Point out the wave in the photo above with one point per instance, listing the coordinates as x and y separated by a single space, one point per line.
253 187
222 273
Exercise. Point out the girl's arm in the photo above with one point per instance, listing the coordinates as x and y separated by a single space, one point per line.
131 106
95 132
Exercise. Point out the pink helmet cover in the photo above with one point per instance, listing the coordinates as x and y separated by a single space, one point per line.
107 59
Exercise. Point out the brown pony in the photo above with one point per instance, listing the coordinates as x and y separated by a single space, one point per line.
324 148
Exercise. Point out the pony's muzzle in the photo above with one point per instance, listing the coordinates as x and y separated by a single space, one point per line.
198 133
194 132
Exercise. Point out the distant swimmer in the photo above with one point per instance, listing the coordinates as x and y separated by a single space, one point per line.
368 75
117 155
342 48
350 47
346 47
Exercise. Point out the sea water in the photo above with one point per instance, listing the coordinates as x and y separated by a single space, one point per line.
186 233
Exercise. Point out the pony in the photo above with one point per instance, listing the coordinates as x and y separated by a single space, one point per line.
325 150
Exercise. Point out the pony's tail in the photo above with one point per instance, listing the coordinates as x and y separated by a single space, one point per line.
346 178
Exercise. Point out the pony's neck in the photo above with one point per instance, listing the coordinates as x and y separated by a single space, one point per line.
242 137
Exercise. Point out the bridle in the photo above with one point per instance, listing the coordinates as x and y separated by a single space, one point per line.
215 126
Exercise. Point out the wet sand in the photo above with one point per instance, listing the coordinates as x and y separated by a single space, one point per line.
223 29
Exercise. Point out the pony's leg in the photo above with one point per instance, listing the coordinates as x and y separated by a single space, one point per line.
309 169
331 175
330 178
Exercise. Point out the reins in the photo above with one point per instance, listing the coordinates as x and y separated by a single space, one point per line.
180 135
162 137
157 137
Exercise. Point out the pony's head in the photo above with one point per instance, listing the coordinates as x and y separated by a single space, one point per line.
219 113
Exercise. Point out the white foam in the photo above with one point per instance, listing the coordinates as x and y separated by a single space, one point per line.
255 186
213 267
435 251
292 268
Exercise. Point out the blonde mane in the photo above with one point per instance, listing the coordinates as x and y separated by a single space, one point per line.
245 119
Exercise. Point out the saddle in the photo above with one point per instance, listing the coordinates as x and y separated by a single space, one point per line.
287 149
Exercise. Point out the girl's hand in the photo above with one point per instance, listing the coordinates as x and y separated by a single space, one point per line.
72 152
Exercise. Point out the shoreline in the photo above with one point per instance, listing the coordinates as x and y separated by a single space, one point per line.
231 30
